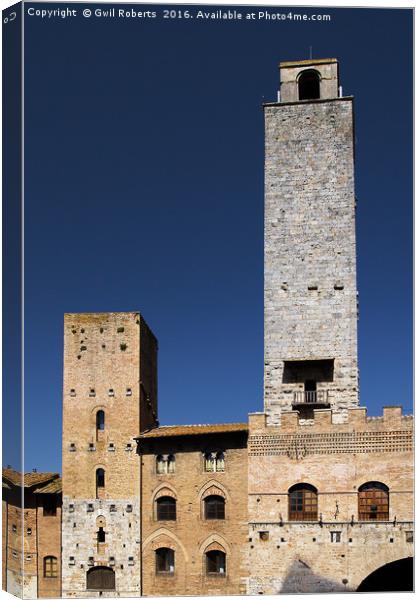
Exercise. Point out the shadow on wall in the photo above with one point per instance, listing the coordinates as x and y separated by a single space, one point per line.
396 576
300 579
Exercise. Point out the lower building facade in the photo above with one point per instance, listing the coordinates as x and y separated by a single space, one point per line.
230 509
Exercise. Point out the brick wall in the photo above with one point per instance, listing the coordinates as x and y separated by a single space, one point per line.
191 535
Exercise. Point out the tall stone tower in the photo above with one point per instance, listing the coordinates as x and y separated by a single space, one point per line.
109 395
310 313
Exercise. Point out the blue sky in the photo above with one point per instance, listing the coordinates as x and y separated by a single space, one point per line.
144 191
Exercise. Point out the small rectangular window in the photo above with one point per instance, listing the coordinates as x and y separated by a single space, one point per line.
128 392
111 392
92 392
131 561
129 508
14 528
409 536
335 536
113 508
71 507
90 508
72 392
29 531
72 447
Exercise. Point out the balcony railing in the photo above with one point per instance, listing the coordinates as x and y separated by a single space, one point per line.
313 397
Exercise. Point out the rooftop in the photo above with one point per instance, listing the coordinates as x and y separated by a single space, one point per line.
178 430
28 479
308 61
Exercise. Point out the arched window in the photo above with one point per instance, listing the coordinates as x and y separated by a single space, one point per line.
50 566
308 84
373 501
214 507
303 502
100 420
100 482
165 463
100 578
214 462
166 509
215 562
165 560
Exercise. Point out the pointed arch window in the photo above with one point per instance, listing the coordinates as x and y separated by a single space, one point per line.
166 508
373 501
165 561
214 507
215 562
309 85
303 502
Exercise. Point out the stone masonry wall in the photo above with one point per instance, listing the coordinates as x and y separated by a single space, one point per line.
121 522
296 557
310 258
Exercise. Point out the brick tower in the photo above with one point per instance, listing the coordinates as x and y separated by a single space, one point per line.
109 395
310 314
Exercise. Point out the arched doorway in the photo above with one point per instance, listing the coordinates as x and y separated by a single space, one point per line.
396 576
100 578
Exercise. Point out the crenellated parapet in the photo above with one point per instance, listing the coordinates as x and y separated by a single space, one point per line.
391 432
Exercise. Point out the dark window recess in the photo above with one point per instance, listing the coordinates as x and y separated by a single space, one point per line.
100 578
14 528
264 536
335 536
166 509
409 536
165 560
100 420
49 507
100 481
215 562
129 508
308 84
120 330
90 508
101 535
113 508
123 347
303 503
373 502
214 507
